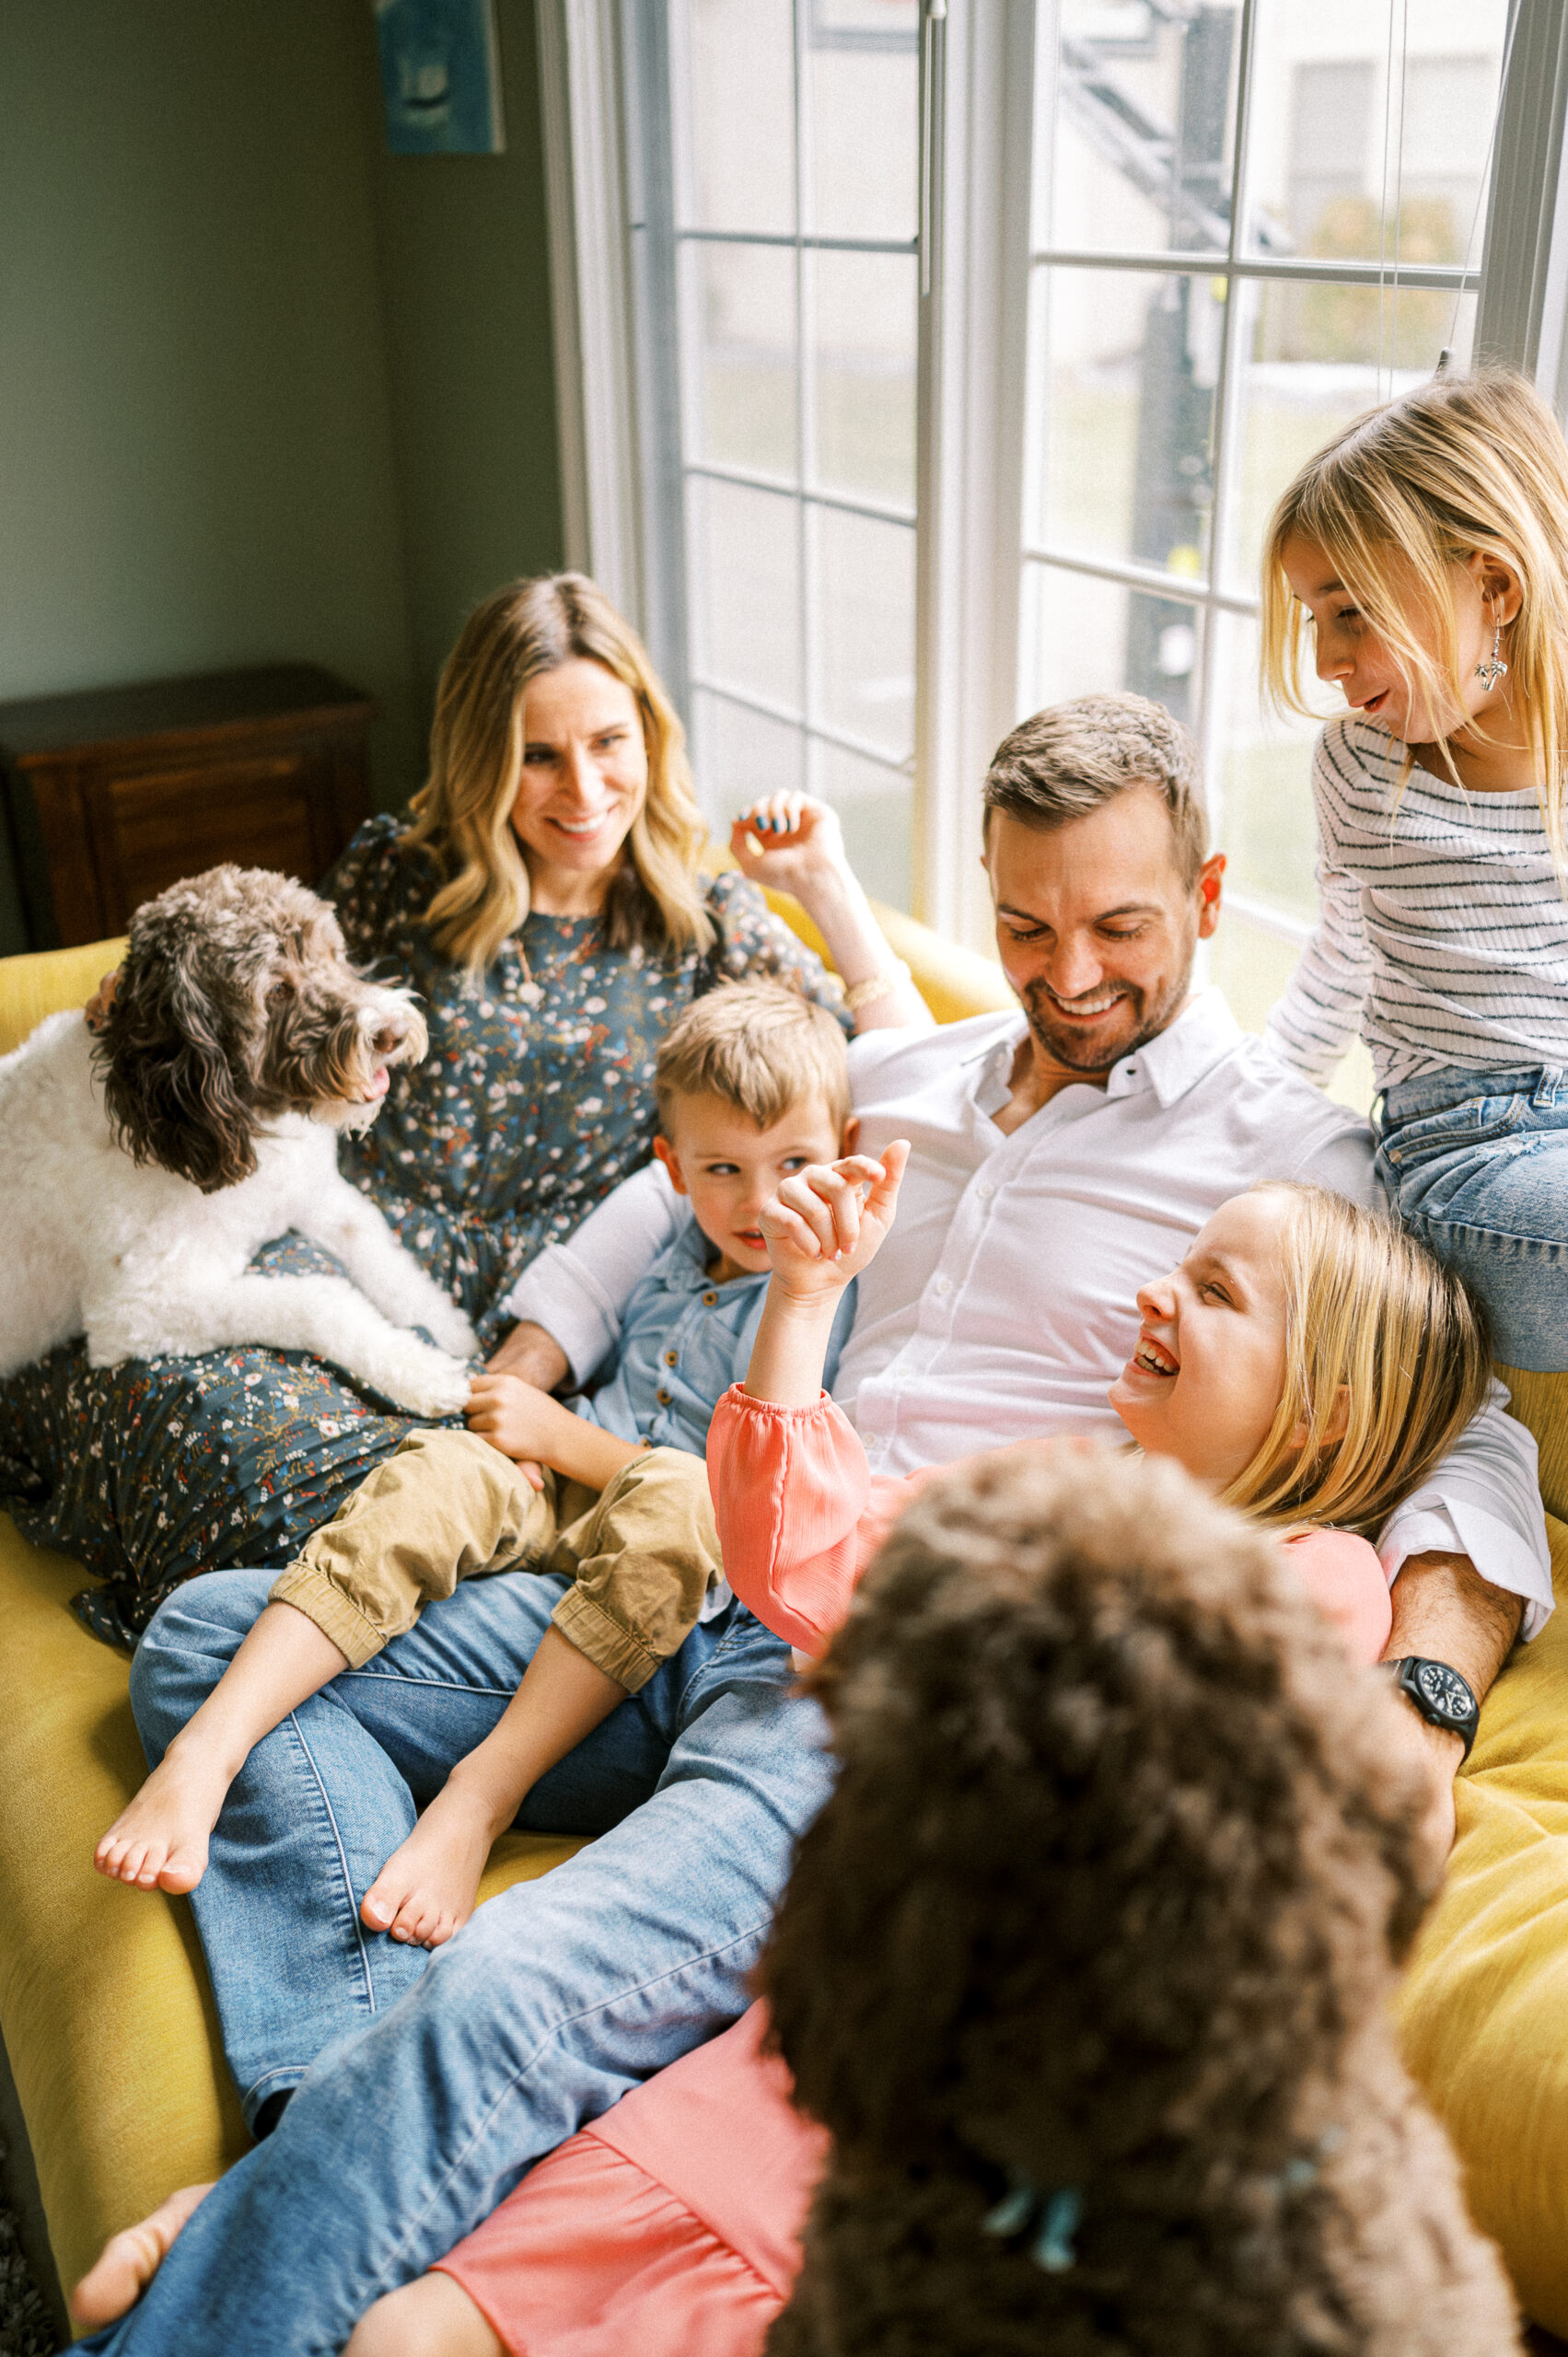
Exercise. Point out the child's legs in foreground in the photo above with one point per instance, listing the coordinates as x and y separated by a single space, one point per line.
553 2000
324 1800
1479 1166
442 1508
641 1556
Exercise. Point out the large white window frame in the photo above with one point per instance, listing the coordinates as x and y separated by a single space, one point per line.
980 84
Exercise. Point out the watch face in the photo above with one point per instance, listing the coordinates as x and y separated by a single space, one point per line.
1443 1691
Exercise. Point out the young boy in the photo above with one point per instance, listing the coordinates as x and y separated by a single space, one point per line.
752 1084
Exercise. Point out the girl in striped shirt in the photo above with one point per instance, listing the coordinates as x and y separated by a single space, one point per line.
1426 551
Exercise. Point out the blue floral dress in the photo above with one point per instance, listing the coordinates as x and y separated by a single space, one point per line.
535 1097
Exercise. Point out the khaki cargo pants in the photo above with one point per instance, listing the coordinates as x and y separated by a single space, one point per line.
446 1506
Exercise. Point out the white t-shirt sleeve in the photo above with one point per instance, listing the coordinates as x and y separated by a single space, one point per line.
1319 1014
578 1291
1482 1501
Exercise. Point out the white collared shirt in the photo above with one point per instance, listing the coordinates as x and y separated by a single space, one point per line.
1001 1305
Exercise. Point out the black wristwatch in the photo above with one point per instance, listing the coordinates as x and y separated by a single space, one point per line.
1440 1694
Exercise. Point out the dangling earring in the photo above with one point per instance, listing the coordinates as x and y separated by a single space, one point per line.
1491 668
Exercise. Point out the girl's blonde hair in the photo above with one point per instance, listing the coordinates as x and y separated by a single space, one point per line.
1370 1310
1398 499
464 812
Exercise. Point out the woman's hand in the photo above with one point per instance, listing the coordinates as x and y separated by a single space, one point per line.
827 1223
789 843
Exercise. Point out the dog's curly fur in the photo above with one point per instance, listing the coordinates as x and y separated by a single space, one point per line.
143 1170
235 1003
1109 1896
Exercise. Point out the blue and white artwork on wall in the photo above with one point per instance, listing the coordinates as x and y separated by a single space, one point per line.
440 76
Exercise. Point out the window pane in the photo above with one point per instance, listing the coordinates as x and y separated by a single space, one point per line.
745 561
1251 965
738 756
864 308
875 808
1120 413
864 584
1264 820
863 77
1141 133
735 64
740 309
1080 634
1332 172
1311 359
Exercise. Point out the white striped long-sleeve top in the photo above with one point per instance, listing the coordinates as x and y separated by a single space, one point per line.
1442 933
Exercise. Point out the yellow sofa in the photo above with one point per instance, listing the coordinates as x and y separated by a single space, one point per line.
104 2005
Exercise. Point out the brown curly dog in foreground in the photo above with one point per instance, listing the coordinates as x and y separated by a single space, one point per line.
1087 1963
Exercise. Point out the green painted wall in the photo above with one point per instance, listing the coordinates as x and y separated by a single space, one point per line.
264 390
466 281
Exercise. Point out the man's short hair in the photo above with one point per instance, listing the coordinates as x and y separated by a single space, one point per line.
1074 758
760 1046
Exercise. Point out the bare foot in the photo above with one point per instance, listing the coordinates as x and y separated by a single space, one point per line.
159 1842
427 1887
128 2261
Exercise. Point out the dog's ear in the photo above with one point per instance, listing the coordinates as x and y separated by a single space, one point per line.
168 1082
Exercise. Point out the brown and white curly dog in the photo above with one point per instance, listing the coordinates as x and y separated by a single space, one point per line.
143 1169
1087 1963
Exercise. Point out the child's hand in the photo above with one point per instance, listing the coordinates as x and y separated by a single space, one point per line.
515 1417
827 1223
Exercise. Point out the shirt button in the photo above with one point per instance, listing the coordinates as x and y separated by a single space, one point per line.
671 1358
709 1300
662 1396
944 1285
985 1191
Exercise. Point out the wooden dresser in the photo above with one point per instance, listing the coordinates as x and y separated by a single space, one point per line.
113 793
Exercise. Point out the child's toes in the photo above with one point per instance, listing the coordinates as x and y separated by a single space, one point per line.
182 1868
415 1916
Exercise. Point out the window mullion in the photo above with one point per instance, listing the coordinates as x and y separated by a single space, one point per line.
971 349
1524 290
1211 716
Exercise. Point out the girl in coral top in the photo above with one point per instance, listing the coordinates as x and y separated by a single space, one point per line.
1307 1360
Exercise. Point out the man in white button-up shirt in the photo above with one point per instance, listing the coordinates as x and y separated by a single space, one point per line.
1066 1154
1060 1157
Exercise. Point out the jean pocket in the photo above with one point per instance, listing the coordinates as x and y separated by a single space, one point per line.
1474 1122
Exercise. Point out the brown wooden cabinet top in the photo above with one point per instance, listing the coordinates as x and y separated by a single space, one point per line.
98 718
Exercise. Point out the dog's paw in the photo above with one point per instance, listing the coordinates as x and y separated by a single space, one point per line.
424 1381
447 1327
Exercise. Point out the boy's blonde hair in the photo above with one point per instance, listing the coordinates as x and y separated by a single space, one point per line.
1404 494
1370 1309
760 1046
464 812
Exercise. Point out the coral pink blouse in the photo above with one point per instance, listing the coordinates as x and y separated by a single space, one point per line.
800 1514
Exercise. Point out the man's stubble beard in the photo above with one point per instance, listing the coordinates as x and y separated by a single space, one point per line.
1074 1052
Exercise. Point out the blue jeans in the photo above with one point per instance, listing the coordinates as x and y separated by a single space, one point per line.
441 2079
1478 1165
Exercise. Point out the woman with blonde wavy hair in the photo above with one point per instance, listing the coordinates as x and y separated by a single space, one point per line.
549 903
1425 552
548 899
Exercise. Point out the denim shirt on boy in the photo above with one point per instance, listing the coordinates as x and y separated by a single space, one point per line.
684 1340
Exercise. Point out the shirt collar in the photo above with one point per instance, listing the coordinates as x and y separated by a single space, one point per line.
1202 1035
